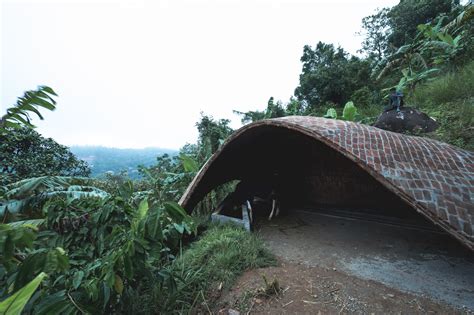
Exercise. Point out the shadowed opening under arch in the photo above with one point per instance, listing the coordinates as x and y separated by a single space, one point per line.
311 174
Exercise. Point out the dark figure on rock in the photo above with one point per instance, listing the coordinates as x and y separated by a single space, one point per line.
398 118
395 100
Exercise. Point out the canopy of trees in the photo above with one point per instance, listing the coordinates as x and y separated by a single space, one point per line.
330 75
408 14
25 153
405 46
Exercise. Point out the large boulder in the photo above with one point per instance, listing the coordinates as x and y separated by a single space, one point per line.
408 119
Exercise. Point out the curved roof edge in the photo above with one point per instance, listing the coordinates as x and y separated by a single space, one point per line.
434 178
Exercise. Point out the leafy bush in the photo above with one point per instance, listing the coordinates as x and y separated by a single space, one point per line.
435 47
362 97
368 114
170 176
99 247
213 263
99 252
29 195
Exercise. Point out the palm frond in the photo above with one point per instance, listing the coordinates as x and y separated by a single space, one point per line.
30 102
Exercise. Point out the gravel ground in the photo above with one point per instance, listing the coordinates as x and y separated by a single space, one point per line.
340 265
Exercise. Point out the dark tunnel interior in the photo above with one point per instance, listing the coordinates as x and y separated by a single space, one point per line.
310 175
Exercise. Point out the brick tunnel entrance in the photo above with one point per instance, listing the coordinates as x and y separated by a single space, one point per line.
377 205
314 177
357 169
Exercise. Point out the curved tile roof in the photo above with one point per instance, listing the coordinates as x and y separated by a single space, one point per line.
435 178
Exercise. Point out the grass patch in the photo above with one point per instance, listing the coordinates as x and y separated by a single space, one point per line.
212 264
456 123
450 100
450 87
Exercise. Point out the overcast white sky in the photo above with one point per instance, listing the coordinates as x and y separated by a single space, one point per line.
138 73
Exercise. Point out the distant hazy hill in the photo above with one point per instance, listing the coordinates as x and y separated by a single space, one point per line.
102 159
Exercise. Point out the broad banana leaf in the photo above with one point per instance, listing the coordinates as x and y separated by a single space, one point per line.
15 303
32 193
331 113
349 111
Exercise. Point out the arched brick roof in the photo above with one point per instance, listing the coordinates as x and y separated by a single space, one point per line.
434 178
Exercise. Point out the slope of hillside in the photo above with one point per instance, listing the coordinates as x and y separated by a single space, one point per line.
103 159
450 100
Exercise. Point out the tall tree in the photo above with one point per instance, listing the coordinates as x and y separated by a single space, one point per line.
375 29
408 14
212 134
329 75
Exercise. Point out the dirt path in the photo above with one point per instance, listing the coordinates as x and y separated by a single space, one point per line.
333 265
313 290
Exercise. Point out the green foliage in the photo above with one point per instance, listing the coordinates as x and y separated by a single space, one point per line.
98 251
274 110
331 113
170 176
433 46
30 194
331 78
25 153
15 304
368 114
20 114
451 86
349 112
104 244
295 107
376 31
450 100
212 134
189 164
116 246
329 75
407 15
456 120
13 239
411 78
222 254
362 97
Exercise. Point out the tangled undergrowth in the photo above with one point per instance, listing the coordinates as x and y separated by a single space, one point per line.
212 264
